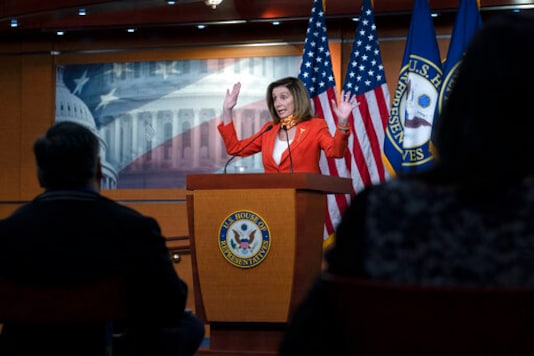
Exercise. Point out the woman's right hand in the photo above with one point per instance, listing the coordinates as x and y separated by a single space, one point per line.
230 100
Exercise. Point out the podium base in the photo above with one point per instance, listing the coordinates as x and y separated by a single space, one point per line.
243 339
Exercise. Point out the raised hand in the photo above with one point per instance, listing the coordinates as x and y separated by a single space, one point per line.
230 100
347 103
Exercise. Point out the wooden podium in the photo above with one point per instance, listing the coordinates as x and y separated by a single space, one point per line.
257 246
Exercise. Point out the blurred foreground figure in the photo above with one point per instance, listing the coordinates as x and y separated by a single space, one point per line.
70 234
469 221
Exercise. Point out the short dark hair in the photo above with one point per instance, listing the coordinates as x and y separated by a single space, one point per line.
67 156
301 99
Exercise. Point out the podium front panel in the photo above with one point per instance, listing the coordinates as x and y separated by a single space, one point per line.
233 291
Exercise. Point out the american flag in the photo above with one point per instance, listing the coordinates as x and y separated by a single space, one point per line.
317 75
366 78
157 119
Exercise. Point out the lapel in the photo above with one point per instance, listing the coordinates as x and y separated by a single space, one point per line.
268 144
303 130
270 137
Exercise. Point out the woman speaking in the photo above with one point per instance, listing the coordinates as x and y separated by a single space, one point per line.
293 141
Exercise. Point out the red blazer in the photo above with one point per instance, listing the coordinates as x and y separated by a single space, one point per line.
311 137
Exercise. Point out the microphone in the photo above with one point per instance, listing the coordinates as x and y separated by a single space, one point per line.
288 150
268 128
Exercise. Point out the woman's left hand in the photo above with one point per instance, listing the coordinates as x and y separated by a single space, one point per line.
347 103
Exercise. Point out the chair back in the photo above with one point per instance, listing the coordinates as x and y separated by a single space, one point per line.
380 318
60 320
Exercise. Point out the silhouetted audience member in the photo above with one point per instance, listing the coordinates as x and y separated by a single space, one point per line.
467 222
70 234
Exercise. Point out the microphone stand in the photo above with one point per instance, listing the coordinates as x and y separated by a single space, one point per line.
268 128
288 150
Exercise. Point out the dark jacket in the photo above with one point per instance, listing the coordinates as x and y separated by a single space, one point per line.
73 236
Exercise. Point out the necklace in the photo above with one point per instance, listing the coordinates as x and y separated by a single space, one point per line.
288 122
